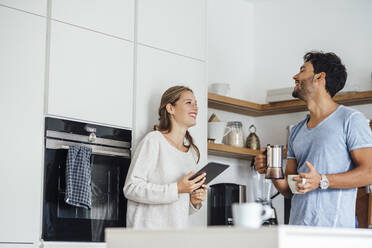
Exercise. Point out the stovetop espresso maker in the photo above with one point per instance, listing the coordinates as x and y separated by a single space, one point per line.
274 162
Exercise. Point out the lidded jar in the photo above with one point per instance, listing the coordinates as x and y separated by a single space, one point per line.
235 135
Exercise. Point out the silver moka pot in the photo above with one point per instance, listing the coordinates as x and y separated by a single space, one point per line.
274 162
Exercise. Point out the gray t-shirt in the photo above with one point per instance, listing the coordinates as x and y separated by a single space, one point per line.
327 146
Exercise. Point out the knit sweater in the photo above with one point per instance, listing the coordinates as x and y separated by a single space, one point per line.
151 184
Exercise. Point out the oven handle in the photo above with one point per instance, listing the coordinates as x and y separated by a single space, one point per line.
86 138
97 150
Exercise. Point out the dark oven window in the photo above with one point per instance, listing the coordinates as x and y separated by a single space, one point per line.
63 222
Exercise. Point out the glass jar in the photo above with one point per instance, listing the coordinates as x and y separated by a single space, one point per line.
235 135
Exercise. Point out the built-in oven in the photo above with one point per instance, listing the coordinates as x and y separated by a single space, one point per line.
109 164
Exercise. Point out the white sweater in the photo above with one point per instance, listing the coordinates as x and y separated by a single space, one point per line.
151 184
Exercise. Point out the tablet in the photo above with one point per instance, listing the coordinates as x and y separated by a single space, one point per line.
212 169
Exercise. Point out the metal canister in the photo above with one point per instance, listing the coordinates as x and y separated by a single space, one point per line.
253 142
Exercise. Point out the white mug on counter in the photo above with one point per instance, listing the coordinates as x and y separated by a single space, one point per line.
292 184
217 130
251 214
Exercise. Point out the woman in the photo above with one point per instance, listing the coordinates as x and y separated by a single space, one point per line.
158 189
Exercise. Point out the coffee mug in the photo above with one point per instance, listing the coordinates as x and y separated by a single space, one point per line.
292 184
217 130
251 214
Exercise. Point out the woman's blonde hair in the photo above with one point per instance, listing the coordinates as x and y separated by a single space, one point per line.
172 95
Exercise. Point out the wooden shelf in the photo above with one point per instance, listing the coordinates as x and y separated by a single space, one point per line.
253 109
235 152
231 151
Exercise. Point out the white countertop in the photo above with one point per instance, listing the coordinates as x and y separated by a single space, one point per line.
229 237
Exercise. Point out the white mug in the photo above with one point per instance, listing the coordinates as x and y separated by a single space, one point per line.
217 130
292 184
251 214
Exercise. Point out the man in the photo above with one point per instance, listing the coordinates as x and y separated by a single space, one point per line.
331 148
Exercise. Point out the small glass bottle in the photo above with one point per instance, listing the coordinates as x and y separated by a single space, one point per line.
235 135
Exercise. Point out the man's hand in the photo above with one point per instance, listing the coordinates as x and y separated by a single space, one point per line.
260 162
312 179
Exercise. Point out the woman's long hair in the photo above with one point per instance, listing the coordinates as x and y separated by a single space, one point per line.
172 95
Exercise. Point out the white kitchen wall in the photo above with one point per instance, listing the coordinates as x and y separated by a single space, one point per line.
285 30
22 64
230 45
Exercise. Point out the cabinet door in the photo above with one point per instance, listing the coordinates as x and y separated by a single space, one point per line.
156 72
90 76
22 63
174 25
115 17
34 6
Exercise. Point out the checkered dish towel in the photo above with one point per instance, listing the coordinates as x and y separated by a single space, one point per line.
78 192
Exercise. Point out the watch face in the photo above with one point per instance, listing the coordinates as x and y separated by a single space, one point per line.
323 184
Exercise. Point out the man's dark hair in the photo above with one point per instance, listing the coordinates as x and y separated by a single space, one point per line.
331 64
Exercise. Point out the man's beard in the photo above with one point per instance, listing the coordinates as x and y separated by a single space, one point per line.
297 93
302 91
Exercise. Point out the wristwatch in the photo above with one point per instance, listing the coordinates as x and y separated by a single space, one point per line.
323 182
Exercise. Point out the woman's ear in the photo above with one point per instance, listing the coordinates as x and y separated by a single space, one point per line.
170 109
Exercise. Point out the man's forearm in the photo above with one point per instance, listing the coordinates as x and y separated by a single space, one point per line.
355 178
282 186
358 177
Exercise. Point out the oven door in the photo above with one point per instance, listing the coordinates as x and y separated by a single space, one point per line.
63 222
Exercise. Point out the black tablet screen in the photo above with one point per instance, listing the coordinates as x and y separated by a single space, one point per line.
212 169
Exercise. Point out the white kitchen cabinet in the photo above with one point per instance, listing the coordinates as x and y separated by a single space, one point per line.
22 65
114 17
174 25
90 76
156 72
34 6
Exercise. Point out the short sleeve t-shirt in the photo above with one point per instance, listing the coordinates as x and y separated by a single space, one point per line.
327 146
